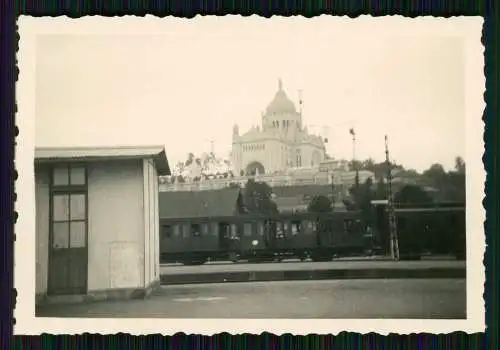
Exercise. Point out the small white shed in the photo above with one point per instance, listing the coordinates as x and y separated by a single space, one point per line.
97 226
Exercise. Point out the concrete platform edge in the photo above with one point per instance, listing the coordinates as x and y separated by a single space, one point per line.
304 275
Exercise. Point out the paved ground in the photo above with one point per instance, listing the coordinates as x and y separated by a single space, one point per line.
294 265
304 299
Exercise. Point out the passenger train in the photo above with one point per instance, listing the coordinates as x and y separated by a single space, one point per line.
319 237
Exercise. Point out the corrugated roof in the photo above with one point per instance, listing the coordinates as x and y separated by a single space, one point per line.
104 153
209 203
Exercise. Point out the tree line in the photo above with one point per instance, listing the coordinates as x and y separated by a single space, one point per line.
434 185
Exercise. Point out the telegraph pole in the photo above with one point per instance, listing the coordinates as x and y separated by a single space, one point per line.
393 231
301 102
353 134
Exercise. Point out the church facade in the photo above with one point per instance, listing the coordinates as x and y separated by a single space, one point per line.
279 144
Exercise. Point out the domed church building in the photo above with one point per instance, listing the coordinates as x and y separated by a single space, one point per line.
279 144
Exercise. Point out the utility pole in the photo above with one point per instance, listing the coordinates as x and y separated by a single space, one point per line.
353 134
301 102
393 231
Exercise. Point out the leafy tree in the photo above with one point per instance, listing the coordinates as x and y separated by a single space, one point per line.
459 165
320 204
450 185
381 189
363 197
435 175
257 197
190 159
412 194
179 167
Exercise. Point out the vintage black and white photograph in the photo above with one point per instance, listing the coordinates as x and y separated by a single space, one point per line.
249 168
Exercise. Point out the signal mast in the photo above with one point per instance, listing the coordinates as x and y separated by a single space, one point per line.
393 232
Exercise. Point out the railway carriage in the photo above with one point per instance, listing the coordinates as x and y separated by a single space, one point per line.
425 229
212 225
261 238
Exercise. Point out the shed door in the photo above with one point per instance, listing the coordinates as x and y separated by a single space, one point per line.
68 241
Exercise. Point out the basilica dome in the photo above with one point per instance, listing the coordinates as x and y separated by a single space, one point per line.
280 103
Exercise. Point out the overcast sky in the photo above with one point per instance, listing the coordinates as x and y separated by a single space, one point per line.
187 84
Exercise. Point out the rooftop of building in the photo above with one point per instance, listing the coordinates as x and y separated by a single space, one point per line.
55 154
197 204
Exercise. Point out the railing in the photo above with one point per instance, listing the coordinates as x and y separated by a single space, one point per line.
344 179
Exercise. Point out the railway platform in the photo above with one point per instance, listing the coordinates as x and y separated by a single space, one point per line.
296 271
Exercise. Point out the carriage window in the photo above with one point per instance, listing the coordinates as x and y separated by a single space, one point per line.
204 229
234 230
224 229
215 228
195 230
295 228
279 230
176 231
348 225
186 230
247 229
260 228
306 226
166 231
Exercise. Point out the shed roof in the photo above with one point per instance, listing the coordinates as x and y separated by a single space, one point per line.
50 154
209 203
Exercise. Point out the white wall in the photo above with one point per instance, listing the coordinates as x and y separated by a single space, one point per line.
116 225
151 224
42 180
156 191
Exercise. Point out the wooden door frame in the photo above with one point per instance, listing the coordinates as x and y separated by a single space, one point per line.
69 189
